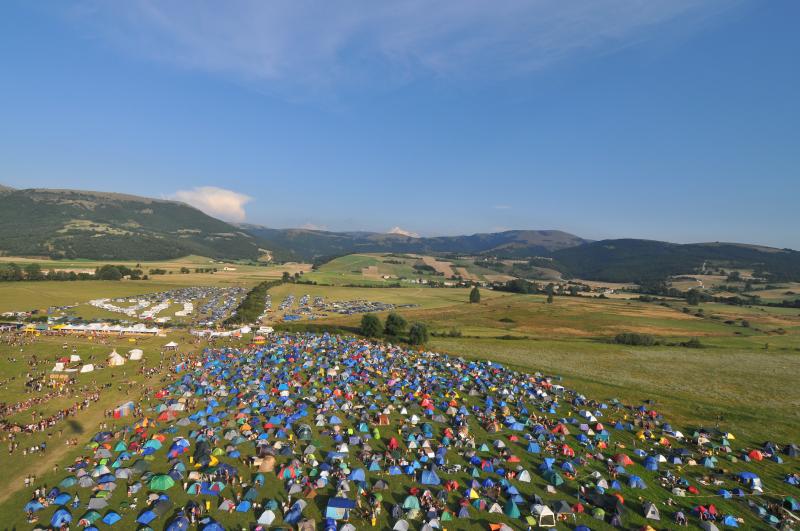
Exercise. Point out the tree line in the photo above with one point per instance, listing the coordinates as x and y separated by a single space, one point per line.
395 328
12 272
252 306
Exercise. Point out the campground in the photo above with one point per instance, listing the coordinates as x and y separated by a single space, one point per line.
551 484
749 356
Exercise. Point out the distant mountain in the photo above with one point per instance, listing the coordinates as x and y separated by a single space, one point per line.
303 244
108 226
628 260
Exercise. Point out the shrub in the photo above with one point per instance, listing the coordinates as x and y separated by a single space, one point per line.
370 325
692 343
418 334
631 338
395 324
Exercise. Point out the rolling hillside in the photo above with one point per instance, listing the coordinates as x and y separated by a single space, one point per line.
106 226
628 260
302 244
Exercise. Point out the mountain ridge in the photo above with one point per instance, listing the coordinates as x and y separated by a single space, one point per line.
61 223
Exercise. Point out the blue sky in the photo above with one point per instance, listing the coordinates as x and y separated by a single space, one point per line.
674 119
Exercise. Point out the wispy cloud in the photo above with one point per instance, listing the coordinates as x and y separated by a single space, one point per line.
301 42
502 207
218 202
403 232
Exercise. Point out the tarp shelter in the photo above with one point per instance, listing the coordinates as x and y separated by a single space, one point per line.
339 508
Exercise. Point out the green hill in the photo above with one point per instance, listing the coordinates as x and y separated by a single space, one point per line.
627 260
106 226
302 244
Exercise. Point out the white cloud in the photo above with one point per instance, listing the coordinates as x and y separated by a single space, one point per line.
313 226
301 42
218 202
403 232
502 207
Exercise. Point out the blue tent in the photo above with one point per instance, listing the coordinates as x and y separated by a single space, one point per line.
111 518
146 516
60 517
339 508
730 521
357 475
429 477
181 523
33 506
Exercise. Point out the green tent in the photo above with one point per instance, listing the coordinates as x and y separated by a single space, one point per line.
91 516
511 510
411 502
161 482
553 477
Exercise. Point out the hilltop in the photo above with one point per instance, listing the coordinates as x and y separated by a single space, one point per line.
100 225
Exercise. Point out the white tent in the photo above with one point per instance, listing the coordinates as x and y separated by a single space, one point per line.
171 345
115 360
651 511
59 367
266 518
135 354
74 358
87 368
544 515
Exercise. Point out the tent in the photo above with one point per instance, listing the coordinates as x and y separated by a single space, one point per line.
115 360
651 511
339 508
135 354
544 515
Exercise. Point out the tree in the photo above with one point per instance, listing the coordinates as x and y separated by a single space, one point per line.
33 272
109 272
395 324
549 298
418 334
286 277
475 295
693 297
370 325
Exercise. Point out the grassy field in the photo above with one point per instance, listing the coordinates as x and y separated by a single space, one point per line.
117 385
734 375
23 296
370 269
118 390
26 296
751 355
423 297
